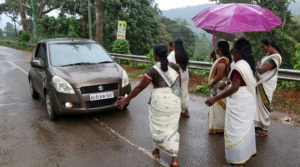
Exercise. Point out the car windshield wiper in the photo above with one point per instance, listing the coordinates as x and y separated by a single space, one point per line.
80 63
105 62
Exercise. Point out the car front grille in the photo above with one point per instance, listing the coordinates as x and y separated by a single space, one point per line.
100 103
95 89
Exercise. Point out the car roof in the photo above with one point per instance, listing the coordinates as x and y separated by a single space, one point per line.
67 40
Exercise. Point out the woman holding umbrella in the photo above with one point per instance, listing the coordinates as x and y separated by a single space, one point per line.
240 144
165 103
267 74
218 74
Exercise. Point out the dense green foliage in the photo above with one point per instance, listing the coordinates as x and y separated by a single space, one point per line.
1 32
297 65
24 36
9 30
177 28
121 46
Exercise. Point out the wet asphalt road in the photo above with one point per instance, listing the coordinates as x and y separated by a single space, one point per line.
113 138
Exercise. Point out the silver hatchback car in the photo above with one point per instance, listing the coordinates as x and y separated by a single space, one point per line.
76 76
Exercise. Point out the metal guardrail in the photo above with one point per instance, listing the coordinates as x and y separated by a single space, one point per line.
284 74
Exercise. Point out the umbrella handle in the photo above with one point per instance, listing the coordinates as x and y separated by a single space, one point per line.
214 38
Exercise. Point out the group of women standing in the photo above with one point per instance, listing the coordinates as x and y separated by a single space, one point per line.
240 95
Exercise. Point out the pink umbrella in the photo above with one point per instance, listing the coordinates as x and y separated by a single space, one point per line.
236 18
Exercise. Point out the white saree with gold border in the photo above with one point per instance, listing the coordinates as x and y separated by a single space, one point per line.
239 133
164 113
216 113
267 83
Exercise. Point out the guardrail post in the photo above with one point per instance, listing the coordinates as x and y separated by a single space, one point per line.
135 64
119 61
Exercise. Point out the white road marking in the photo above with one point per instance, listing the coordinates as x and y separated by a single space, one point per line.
145 151
17 67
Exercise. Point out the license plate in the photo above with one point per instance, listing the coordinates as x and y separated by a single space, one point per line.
101 96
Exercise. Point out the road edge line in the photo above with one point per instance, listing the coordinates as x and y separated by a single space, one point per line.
145 151
17 67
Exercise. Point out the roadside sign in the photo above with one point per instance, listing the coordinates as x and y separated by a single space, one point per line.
121 34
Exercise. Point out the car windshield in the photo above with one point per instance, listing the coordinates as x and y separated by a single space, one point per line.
78 54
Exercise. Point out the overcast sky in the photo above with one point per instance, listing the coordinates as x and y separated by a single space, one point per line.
171 4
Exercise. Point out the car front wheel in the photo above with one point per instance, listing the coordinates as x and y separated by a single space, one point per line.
50 111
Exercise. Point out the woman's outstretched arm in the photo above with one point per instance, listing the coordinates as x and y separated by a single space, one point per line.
123 101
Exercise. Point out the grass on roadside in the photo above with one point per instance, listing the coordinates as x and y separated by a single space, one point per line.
20 46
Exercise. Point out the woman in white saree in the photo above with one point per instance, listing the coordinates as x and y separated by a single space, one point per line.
239 133
218 74
180 57
266 75
165 103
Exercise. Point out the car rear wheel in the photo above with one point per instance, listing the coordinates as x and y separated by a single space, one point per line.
50 111
33 93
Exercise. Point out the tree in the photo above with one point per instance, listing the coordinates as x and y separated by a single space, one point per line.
163 35
99 22
79 8
178 29
142 28
62 26
9 30
11 10
1 32
24 36
8 27
23 15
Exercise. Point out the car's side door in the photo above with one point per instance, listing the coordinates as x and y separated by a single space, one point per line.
39 73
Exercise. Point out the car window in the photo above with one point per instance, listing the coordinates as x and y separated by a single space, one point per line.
64 54
36 53
42 53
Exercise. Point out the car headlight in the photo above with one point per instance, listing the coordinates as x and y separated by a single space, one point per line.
62 85
125 80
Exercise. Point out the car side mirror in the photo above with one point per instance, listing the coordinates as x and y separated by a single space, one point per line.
36 64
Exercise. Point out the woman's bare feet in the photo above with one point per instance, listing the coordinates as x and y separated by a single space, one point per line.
261 133
174 162
156 153
186 113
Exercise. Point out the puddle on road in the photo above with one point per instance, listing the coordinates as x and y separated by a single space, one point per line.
286 119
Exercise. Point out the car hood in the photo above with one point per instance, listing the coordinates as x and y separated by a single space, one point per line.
88 75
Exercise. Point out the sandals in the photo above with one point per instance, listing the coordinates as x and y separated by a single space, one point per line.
258 133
